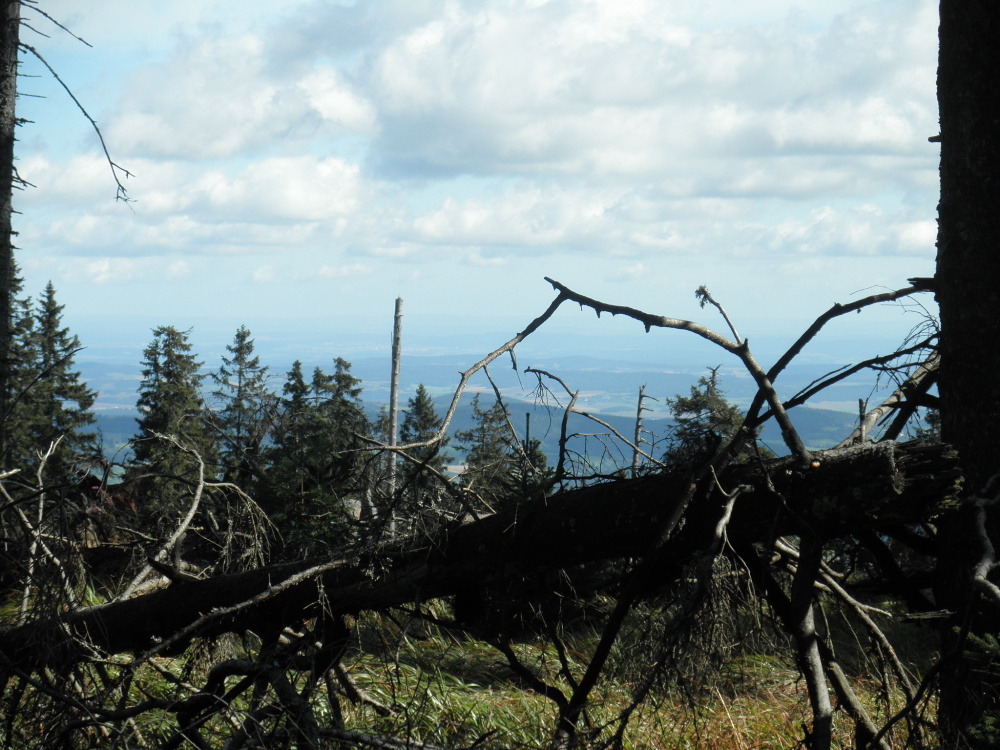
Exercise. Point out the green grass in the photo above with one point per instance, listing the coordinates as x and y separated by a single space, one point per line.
449 689
453 690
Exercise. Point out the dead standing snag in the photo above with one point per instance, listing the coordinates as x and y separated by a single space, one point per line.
663 522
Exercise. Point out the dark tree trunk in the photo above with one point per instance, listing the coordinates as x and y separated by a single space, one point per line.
968 292
9 40
874 486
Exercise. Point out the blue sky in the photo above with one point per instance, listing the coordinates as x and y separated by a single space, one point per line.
314 160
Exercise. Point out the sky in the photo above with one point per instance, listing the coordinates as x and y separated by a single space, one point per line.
302 164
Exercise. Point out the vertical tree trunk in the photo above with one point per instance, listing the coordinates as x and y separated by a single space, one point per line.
968 291
9 39
397 343
639 409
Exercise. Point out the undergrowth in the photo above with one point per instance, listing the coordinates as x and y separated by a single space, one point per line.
451 689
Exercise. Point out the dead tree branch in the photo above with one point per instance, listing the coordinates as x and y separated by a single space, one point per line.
741 350
860 486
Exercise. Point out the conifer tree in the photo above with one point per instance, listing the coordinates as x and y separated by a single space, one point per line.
17 449
489 459
316 461
531 471
341 419
421 423
243 412
295 390
704 421
64 401
287 474
51 401
170 403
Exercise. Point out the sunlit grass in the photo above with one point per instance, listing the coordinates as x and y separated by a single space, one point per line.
447 688
454 690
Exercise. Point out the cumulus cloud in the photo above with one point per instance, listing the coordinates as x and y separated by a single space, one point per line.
217 96
292 189
335 101
119 270
588 88
322 141
855 230
102 271
273 203
524 217
82 181
917 237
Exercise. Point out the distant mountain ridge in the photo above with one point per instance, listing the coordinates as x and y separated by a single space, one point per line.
608 388
819 428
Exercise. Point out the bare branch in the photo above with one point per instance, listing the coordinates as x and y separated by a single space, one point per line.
836 311
987 562
53 21
842 373
182 527
561 470
116 169
704 297
742 350
925 373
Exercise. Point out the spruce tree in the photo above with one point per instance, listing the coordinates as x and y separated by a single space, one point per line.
316 462
341 419
421 423
286 478
50 401
64 401
170 403
18 449
243 412
530 471
489 458
703 422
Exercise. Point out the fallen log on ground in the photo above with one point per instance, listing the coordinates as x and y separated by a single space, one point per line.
856 489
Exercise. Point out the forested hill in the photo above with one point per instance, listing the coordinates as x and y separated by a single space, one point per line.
820 428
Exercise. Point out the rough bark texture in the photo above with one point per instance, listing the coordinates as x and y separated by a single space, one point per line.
867 487
10 24
968 292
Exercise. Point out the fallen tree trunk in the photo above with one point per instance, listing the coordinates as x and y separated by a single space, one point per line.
860 488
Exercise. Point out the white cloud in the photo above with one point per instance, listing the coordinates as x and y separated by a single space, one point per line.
222 96
526 216
83 180
339 141
109 270
211 99
918 237
273 204
601 90
475 259
857 230
299 188
336 102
